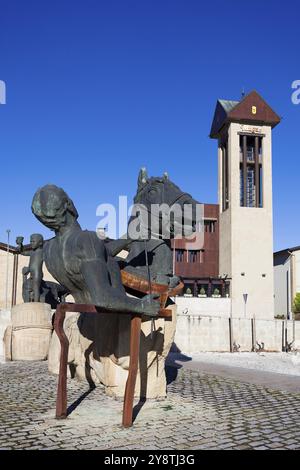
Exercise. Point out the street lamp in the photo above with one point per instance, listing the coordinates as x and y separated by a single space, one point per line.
245 303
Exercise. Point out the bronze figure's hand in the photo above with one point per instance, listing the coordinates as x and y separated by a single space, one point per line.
19 241
150 305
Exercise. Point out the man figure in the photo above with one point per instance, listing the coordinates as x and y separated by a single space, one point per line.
80 261
32 285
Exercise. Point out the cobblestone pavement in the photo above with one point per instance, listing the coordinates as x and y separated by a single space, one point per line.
201 411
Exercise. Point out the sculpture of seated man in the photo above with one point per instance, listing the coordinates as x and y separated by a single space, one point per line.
32 285
80 261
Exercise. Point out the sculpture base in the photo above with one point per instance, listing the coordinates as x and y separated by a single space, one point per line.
28 336
99 352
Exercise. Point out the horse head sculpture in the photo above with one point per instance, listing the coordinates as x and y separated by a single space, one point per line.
162 199
165 206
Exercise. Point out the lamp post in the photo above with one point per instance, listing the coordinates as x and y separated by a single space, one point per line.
7 269
245 304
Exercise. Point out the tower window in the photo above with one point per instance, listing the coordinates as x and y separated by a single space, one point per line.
251 173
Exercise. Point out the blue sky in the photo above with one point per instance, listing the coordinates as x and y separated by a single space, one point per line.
96 89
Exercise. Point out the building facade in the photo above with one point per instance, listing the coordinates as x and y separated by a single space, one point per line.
197 263
286 280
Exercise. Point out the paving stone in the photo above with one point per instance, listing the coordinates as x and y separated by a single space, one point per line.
201 411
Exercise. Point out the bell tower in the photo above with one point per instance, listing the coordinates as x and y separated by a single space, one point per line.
244 132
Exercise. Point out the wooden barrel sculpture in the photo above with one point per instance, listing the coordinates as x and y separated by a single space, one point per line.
28 337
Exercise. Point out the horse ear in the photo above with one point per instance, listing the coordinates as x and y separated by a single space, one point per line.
143 177
165 176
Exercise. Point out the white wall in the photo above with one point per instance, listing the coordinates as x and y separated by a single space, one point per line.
196 333
203 306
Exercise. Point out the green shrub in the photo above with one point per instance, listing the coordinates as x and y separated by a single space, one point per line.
202 291
216 292
296 303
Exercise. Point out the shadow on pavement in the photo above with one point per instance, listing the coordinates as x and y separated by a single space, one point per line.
76 403
172 365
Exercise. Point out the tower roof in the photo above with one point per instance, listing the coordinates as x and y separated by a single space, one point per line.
251 109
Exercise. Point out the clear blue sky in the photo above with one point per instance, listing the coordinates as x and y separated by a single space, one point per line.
96 89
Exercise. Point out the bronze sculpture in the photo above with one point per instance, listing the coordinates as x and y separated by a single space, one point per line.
80 261
34 288
86 266
32 284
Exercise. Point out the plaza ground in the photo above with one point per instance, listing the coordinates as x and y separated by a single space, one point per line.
208 406
281 363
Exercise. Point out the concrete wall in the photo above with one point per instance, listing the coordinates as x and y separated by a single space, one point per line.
246 236
195 333
203 306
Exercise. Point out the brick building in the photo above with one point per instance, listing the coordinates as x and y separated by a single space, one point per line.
197 263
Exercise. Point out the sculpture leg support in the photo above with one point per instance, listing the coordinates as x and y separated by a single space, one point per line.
61 399
135 333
